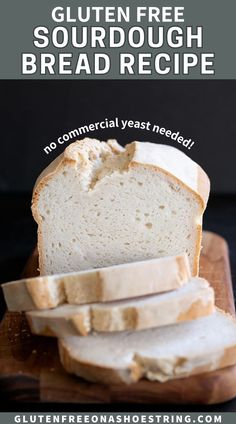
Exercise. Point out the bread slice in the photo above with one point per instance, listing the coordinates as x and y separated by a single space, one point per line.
161 354
100 285
194 300
100 205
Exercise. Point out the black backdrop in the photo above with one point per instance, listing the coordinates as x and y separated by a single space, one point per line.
35 113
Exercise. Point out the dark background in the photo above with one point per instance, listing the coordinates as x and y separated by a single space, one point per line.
35 113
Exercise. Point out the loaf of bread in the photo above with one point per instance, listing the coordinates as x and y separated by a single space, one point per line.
99 285
161 354
192 301
119 239
100 205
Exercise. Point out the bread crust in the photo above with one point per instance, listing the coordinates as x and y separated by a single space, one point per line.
40 293
196 310
47 292
134 315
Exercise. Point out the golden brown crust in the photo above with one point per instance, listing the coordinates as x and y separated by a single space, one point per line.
198 251
39 292
47 331
198 309
228 358
203 185
78 322
184 269
131 318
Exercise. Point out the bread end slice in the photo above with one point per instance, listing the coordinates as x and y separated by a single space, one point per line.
158 354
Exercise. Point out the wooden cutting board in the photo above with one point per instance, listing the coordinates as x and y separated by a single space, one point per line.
30 369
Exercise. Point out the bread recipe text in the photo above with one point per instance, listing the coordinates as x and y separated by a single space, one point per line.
89 44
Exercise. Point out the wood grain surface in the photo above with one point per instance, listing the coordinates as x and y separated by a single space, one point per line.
30 369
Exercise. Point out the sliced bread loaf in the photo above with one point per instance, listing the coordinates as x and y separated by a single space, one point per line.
99 205
99 285
194 300
161 354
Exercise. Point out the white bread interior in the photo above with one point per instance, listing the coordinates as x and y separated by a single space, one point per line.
99 205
